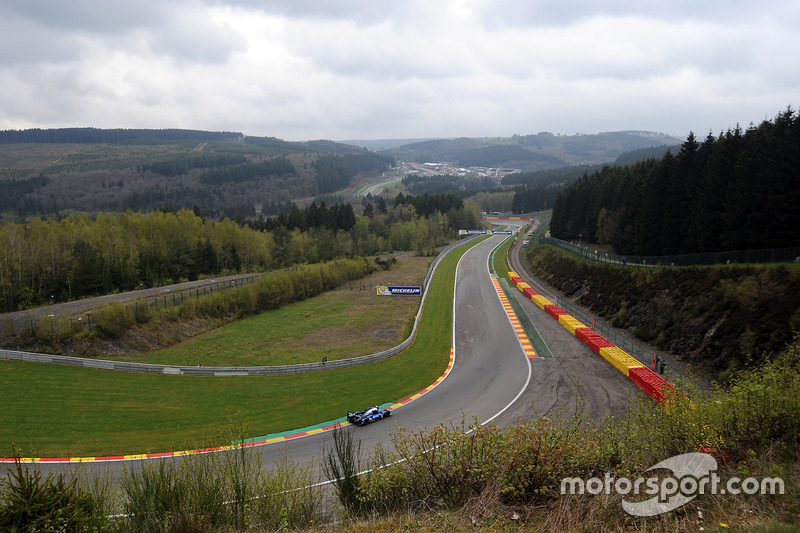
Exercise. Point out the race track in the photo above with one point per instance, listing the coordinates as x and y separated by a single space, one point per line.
491 378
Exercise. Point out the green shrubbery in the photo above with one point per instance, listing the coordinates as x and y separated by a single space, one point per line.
112 320
32 502
272 290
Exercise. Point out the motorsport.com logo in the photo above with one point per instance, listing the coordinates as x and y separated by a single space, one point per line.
693 474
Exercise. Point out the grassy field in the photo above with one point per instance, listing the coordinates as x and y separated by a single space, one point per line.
51 410
347 322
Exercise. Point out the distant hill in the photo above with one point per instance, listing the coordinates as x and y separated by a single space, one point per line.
532 152
50 171
113 136
45 172
383 144
656 152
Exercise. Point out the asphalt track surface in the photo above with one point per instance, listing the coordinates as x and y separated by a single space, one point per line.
491 378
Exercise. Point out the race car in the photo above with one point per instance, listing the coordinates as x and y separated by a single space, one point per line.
367 416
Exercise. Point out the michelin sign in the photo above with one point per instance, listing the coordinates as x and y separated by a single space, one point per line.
388 290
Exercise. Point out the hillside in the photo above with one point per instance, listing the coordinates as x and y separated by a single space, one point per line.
723 318
531 152
44 172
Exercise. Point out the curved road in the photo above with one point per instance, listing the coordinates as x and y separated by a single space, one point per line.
490 379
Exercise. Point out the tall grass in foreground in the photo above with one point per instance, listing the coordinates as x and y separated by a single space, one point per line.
209 492
460 477
216 492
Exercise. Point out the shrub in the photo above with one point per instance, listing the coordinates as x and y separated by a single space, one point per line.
112 320
288 497
30 502
341 465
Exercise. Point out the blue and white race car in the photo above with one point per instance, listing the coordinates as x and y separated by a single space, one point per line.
368 416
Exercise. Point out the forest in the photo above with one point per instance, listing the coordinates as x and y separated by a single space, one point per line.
113 136
49 260
739 190
47 172
530 152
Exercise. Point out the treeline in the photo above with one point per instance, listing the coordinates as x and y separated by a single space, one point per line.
550 175
112 136
445 184
536 197
14 191
279 166
337 217
427 204
334 172
183 164
654 152
503 154
54 260
737 191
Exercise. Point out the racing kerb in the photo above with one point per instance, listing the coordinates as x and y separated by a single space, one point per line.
227 371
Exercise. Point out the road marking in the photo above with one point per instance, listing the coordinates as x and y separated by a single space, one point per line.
524 342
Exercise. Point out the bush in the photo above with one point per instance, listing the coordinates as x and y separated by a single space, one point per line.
341 465
112 320
288 497
164 497
30 502
220 491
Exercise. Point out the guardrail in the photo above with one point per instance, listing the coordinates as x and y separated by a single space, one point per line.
147 368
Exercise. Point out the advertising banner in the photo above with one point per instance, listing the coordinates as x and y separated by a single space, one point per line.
389 290
472 232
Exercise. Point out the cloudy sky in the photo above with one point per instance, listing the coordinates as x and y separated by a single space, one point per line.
372 69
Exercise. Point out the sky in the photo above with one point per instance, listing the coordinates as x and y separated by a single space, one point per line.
375 69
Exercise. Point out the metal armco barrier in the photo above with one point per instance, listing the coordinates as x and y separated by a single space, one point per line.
229 371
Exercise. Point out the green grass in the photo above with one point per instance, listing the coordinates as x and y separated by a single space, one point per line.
339 324
500 261
51 410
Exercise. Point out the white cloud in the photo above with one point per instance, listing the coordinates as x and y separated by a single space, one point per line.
353 69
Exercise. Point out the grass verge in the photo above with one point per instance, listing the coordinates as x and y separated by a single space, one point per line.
52 410
346 322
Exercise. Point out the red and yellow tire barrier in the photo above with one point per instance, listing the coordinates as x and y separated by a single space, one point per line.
593 339
620 359
571 323
524 341
541 301
554 310
529 292
651 383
